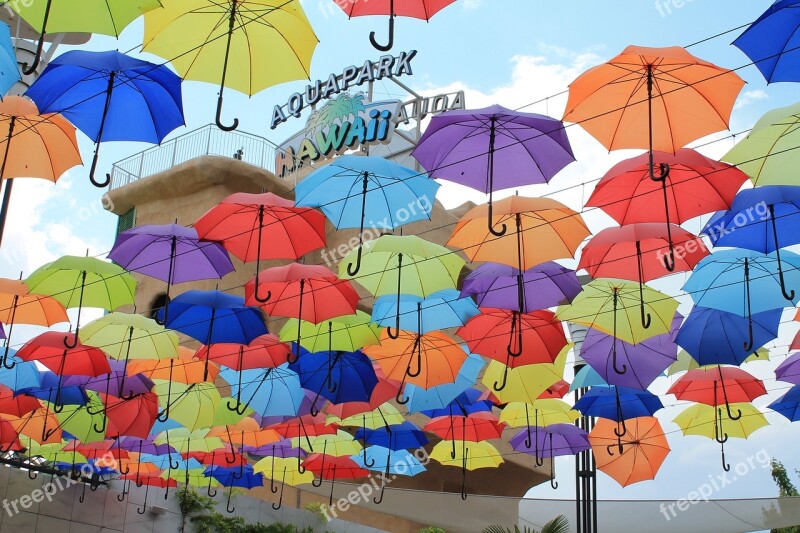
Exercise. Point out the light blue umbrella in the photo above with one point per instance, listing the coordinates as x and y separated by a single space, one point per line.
744 282
400 462
358 192
22 375
168 461
268 391
9 71
439 396
440 310
586 377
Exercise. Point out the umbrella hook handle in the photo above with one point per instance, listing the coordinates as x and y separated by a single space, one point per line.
388 46
332 385
93 170
280 498
553 482
27 70
498 386
400 393
464 475
144 503
364 189
624 368
368 462
71 344
231 24
228 507
646 318
417 348
528 442
121 497
258 298
748 344
352 269
787 295
8 337
102 428
396 333
208 490
503 228
725 466
83 494
516 324
34 476
379 499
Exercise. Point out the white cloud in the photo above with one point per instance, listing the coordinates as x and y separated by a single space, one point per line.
472 4
748 97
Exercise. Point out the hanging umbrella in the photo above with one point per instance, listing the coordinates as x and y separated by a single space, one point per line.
439 396
713 336
390 196
789 370
21 376
469 456
768 152
183 369
82 421
646 360
262 226
618 404
71 392
771 42
743 282
269 392
419 9
191 406
18 306
199 38
383 415
524 383
769 216
333 468
110 97
544 412
441 310
500 334
116 383
614 307
424 360
639 252
637 456
17 405
551 441
788 404
686 98
588 377
394 436
714 423
717 386
266 351
469 401
39 426
307 292
89 16
44 145
170 253
492 149
285 470
347 333
472 428
213 316
399 462
83 281
546 285
231 477
9 70
134 417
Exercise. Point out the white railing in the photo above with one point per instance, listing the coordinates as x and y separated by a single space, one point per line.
208 140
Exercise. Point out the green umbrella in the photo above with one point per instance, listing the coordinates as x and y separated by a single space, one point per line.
83 281
82 421
768 154
185 441
192 406
346 333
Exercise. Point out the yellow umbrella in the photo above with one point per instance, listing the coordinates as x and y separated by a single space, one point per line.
339 445
686 362
271 40
469 456
714 423
284 469
385 415
524 383
542 412
347 333
185 441
193 406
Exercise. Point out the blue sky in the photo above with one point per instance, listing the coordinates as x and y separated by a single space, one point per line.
510 52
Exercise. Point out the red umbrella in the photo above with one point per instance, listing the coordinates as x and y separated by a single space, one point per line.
498 334
148 480
9 437
18 406
330 467
256 227
385 390
637 252
133 418
470 428
695 185
266 351
557 390
308 292
718 385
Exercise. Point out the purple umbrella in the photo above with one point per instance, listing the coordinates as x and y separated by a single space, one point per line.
135 444
114 384
494 148
282 449
2 331
170 253
546 285
789 370
551 441
642 363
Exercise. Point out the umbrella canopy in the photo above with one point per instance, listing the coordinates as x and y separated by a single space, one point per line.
789 370
713 336
134 417
347 333
396 436
771 41
45 145
588 377
618 404
439 396
382 416
398 462
337 376
269 392
524 383
551 441
473 428
544 412
266 351
664 95
494 148
768 152
49 349
717 386
192 406
468 456
199 38
635 457
788 404
9 71
646 360
183 369
546 285
441 310
110 96
419 9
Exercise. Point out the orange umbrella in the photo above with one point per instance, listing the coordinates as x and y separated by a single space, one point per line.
18 306
185 369
40 425
424 360
636 456
246 432
653 98
545 230
45 146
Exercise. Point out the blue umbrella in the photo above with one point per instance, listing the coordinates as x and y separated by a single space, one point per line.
214 317
111 97
440 310
354 191
465 404
789 404
763 219
399 462
233 477
395 437
619 404
743 282
772 42
439 396
586 377
9 71
269 391
337 376
51 390
21 374
712 336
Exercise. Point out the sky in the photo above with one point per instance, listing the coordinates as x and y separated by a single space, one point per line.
507 52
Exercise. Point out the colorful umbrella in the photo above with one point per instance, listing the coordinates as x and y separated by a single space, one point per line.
192 406
718 385
439 396
440 310
639 454
469 456
492 149
111 97
788 404
9 70
551 441
347 333
390 196
266 351
771 42
199 37
286 470
618 404
332 467
269 392
789 370
524 383
336 376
